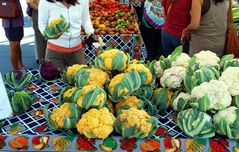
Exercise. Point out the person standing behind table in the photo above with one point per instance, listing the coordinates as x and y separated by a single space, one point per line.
177 17
208 27
152 22
65 50
14 32
40 41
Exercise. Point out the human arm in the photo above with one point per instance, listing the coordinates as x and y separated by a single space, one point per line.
86 22
43 15
163 9
196 9
32 4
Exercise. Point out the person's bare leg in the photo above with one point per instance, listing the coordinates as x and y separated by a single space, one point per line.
15 54
19 55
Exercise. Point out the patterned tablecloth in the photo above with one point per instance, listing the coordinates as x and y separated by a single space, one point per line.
130 43
28 126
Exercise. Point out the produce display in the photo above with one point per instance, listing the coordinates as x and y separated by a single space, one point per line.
116 95
111 17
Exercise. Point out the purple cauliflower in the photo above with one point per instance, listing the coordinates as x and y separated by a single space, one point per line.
48 71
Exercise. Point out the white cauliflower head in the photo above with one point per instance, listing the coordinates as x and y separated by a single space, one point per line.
182 60
207 58
217 93
158 69
173 77
226 122
231 78
176 105
229 114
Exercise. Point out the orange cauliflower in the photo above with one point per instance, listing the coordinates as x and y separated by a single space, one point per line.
96 123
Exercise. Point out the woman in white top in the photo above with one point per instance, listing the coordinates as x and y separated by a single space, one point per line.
66 49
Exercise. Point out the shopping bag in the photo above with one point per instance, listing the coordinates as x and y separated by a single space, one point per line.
9 9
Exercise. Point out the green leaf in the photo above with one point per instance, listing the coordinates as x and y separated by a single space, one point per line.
118 62
204 103
176 53
128 132
235 101
222 126
117 125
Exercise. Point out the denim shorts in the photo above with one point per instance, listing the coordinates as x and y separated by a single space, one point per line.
14 33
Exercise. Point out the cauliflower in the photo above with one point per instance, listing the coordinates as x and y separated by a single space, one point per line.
96 123
123 85
136 123
196 123
162 98
158 69
195 77
92 76
213 95
64 117
113 59
90 96
67 94
227 122
181 60
131 102
173 77
181 102
143 71
207 58
231 78
71 72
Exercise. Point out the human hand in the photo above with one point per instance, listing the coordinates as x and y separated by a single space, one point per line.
185 38
57 36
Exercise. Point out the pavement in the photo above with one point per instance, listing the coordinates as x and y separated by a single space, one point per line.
27 45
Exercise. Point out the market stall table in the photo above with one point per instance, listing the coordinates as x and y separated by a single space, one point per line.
29 125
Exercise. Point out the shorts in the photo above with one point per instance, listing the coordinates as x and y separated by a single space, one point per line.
14 33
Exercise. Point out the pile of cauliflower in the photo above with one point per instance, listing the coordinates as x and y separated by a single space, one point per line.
97 94
208 86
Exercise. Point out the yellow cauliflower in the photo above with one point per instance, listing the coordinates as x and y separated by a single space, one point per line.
54 22
144 72
67 94
92 76
123 85
71 72
66 116
136 123
114 81
96 123
131 102
113 59
90 96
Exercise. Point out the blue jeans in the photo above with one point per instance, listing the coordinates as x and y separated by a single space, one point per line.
170 42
